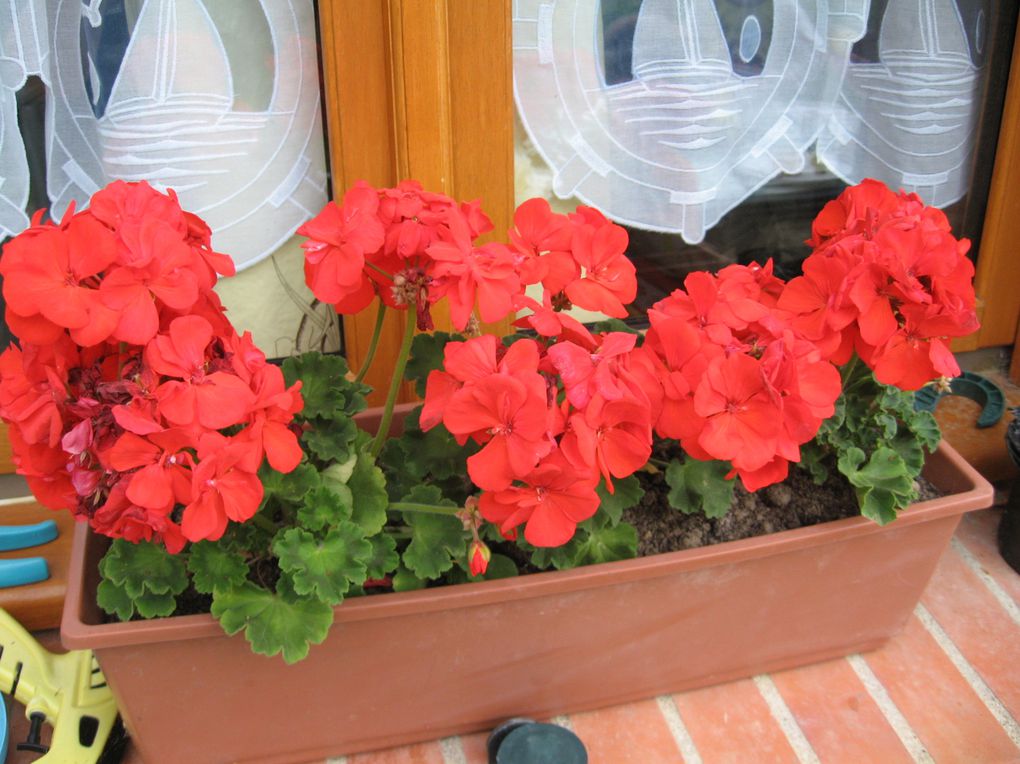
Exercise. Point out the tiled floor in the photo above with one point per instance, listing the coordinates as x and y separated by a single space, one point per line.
946 690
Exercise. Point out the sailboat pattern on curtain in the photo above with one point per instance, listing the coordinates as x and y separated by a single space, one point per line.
721 96
216 99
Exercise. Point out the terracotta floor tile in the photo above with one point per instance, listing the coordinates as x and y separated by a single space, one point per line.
978 625
837 715
977 533
936 700
474 748
636 732
733 723
420 753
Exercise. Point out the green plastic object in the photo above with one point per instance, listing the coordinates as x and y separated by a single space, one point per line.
968 385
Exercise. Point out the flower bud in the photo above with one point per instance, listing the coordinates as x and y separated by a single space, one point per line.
478 557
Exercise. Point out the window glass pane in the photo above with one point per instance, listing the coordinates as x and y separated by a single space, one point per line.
715 130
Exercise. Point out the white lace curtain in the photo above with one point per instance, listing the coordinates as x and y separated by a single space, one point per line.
720 96
217 99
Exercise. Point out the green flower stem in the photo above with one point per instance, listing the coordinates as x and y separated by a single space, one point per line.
264 523
374 344
379 270
432 509
398 378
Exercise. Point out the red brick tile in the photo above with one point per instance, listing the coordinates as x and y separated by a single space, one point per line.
838 716
474 748
978 625
419 753
938 704
636 732
977 533
733 723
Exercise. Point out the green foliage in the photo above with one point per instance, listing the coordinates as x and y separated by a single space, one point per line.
142 578
368 489
598 539
331 440
880 420
213 566
325 507
290 486
432 457
273 623
327 392
384 558
436 540
427 356
613 325
628 493
699 486
324 567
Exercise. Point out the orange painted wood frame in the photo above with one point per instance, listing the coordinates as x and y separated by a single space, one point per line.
418 89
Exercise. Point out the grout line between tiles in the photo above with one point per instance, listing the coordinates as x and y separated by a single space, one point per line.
889 709
1000 594
784 717
675 722
453 751
562 721
987 695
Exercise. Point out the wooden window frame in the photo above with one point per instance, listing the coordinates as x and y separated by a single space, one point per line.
424 89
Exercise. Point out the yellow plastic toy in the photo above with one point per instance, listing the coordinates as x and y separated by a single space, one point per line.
67 691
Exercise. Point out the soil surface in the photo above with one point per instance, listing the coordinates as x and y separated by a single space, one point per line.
795 503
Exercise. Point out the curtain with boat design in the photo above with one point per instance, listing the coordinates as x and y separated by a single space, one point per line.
667 114
217 99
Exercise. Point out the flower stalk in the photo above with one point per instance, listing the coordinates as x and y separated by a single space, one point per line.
373 345
395 382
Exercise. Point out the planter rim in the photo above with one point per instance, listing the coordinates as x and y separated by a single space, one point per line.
976 493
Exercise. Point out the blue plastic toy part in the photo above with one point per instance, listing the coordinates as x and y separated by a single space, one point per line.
28 570
5 728
968 385
22 536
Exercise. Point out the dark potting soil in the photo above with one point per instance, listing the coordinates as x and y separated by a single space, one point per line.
794 503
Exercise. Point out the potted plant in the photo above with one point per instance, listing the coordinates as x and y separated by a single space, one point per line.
233 487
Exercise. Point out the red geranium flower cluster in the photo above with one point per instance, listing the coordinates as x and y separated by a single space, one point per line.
739 383
412 247
128 371
888 280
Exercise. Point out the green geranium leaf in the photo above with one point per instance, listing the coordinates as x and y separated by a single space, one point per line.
143 568
214 567
271 623
628 492
406 581
331 440
113 599
613 325
546 557
324 568
883 482
152 605
384 558
426 356
324 385
436 540
339 474
326 506
697 486
603 543
290 486
368 489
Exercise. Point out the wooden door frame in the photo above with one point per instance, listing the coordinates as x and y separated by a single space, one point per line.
418 89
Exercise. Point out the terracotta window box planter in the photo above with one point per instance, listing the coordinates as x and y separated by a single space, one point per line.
398 668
